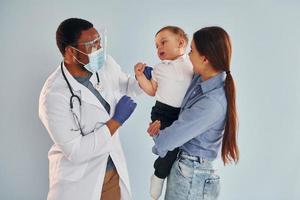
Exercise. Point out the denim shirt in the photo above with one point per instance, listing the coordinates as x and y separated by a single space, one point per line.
199 128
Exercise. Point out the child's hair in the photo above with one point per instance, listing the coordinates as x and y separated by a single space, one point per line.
177 31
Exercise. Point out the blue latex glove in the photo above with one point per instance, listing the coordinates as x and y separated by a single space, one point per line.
124 109
147 72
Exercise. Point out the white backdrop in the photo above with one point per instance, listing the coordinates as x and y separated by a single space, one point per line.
265 64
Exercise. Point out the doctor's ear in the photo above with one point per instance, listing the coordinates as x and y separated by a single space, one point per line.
69 50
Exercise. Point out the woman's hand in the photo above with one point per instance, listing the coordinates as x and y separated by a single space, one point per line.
154 128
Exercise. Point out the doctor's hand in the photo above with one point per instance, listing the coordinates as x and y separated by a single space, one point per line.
124 109
154 128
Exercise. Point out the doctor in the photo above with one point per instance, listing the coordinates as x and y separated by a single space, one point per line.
82 105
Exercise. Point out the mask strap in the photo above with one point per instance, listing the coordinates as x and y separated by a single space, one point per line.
79 51
79 61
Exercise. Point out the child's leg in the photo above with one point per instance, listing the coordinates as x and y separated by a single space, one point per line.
163 165
156 186
162 170
167 115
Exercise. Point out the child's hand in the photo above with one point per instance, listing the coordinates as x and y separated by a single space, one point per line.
139 69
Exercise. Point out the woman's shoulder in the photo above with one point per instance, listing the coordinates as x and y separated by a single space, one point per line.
217 98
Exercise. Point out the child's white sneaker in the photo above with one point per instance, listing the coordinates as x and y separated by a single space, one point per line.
156 187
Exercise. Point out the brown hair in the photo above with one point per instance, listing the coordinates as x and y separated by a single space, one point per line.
177 31
214 43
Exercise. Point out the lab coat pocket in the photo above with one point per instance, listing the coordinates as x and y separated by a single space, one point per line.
71 171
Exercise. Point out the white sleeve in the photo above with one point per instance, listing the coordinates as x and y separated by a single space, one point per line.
154 72
55 114
127 85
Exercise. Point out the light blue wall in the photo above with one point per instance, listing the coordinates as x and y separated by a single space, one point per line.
265 64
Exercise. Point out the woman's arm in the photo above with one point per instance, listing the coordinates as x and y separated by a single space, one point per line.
191 123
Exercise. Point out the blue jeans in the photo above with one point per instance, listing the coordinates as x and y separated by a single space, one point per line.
192 178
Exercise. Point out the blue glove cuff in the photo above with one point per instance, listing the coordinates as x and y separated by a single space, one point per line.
118 119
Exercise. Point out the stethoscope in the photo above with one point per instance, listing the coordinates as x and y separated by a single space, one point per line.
74 96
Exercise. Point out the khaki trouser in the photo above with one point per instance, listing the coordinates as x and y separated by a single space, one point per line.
111 188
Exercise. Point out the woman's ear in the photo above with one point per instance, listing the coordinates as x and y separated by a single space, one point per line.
205 60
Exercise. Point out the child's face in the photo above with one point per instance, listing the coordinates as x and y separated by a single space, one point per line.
169 45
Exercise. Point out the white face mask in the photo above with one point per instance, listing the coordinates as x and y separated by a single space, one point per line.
96 60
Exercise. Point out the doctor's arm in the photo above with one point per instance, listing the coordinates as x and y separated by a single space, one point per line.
126 84
112 126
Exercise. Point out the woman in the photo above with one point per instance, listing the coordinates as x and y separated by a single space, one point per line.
207 120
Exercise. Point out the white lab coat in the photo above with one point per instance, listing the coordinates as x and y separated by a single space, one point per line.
77 163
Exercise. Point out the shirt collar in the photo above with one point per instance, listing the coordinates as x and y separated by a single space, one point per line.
83 79
180 58
212 83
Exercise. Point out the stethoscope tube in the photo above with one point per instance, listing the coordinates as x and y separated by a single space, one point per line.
70 88
74 95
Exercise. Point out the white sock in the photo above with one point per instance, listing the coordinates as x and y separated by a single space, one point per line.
156 186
